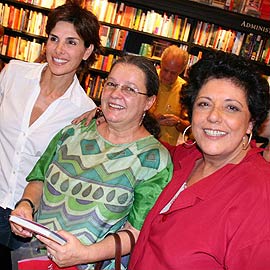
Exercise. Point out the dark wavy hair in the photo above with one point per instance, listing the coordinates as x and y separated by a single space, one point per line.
85 23
240 71
151 85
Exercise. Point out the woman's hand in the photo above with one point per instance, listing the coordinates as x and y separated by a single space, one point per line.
74 252
71 253
168 120
95 113
22 210
32 192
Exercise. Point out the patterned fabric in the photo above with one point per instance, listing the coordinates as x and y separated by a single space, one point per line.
92 187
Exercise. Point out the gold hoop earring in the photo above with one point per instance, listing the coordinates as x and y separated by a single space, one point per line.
184 136
245 146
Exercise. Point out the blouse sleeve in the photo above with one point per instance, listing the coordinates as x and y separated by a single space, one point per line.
146 194
42 165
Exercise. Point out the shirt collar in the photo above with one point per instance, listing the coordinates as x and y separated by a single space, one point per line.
205 186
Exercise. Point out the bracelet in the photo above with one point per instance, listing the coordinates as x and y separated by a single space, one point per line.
30 203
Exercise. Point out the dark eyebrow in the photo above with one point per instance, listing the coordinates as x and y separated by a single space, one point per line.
73 38
226 100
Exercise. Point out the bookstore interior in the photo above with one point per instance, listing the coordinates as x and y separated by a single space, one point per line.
147 27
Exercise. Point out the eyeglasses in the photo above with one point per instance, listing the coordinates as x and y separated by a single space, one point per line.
125 89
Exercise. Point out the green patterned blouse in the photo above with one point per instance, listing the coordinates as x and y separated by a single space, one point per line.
92 187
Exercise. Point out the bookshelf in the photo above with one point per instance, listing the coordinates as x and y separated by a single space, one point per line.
147 27
230 24
24 25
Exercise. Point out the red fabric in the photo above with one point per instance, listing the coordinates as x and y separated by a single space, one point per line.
41 263
221 222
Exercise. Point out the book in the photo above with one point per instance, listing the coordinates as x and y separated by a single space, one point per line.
5 15
252 8
4 44
265 10
137 19
11 16
187 30
128 16
219 3
104 31
120 44
38 228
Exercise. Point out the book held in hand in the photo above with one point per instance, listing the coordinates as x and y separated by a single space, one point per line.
38 228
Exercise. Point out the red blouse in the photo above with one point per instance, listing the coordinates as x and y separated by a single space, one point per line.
221 222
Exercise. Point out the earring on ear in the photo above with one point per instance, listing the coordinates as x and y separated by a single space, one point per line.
245 146
186 139
142 118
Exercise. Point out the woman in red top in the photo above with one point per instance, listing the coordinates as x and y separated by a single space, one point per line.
214 214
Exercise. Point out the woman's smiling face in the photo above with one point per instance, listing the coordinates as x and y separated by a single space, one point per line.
65 49
221 118
120 107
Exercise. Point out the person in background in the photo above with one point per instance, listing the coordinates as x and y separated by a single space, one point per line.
167 109
36 101
214 213
95 180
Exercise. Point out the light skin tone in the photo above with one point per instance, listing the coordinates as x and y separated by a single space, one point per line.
64 52
123 116
171 67
124 113
220 124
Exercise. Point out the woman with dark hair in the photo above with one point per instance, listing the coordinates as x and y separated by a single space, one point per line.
85 24
37 100
214 213
99 179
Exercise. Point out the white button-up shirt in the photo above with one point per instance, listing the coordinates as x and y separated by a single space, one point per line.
21 145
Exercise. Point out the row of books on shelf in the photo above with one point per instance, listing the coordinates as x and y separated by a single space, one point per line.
23 20
156 49
256 8
104 62
118 13
93 85
45 3
251 46
112 37
20 48
256 48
